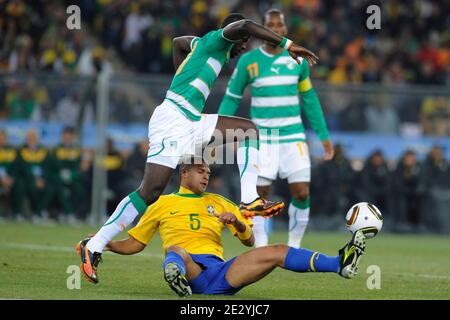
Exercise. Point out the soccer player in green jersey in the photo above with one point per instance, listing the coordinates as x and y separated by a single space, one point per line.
275 80
177 127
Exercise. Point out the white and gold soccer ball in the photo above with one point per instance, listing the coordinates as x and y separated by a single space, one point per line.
366 217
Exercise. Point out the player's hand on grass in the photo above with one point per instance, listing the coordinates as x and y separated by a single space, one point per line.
329 149
297 51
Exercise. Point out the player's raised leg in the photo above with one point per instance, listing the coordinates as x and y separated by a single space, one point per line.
247 137
257 263
155 180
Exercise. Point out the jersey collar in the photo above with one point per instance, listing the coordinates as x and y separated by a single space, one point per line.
185 192
270 55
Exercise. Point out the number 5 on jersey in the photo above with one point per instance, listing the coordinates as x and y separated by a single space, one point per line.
195 222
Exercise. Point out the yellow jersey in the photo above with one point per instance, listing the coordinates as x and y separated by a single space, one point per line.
186 220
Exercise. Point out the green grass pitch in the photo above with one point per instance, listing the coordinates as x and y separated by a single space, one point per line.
34 262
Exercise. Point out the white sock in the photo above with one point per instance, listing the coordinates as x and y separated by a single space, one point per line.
259 231
298 220
247 159
122 217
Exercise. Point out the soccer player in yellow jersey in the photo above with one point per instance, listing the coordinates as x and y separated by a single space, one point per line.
190 224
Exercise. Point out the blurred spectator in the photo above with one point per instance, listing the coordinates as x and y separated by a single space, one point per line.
353 118
64 178
408 188
435 116
34 169
19 102
93 61
86 181
135 164
436 176
337 178
375 181
21 59
382 117
9 178
436 169
67 109
114 163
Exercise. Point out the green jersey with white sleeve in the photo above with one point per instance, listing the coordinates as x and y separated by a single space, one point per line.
275 82
198 72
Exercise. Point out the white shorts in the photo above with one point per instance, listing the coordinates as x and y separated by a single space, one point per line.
173 136
288 160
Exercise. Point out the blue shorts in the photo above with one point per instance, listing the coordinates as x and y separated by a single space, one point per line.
212 279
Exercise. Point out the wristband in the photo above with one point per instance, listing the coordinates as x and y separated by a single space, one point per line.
246 234
285 43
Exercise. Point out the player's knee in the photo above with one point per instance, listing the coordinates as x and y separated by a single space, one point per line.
278 253
150 195
301 194
263 192
178 250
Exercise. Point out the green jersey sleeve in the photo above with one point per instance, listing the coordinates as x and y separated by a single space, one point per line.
311 103
193 41
216 41
235 89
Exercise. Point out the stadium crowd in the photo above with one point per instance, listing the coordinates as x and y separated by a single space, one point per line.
67 101
411 47
41 184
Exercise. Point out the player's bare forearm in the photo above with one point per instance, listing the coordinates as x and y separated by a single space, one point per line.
241 228
181 48
246 28
244 231
243 29
126 246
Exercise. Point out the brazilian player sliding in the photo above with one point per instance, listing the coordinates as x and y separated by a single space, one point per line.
190 224
178 128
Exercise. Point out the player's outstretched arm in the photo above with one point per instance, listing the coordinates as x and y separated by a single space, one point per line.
125 246
181 48
245 28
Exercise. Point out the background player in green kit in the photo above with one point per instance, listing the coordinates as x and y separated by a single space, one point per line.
275 80
177 127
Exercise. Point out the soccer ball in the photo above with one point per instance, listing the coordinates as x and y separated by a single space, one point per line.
366 217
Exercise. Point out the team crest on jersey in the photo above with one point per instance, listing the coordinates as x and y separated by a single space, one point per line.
291 65
289 62
210 210
173 144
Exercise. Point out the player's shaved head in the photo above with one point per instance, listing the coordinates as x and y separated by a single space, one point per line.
233 17
190 162
194 174
273 12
